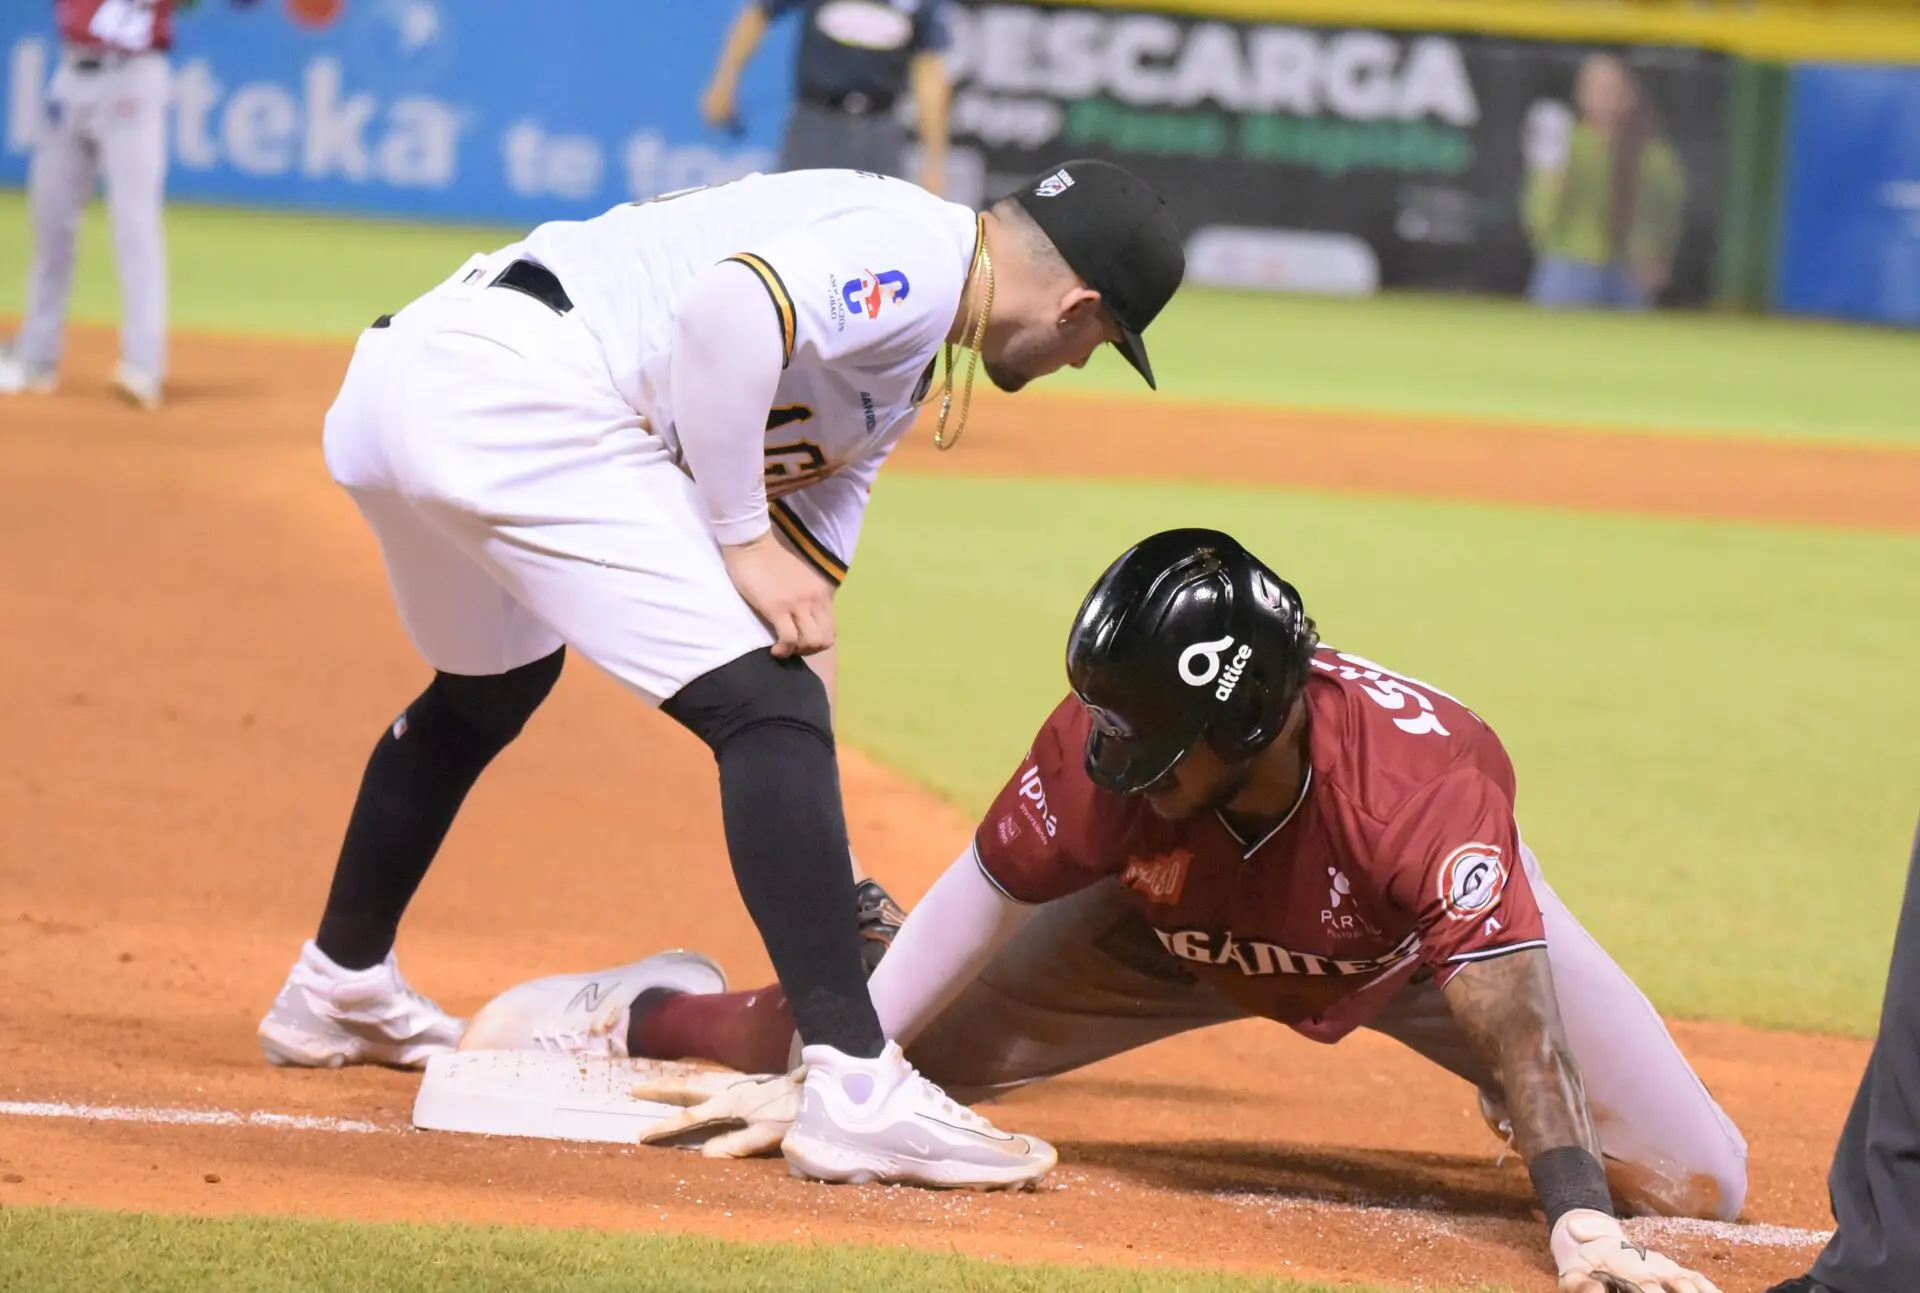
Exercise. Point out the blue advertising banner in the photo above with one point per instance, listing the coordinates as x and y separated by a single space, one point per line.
500 110
1850 235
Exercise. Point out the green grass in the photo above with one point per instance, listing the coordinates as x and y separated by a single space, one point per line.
253 271
1713 724
245 271
1508 360
68 1250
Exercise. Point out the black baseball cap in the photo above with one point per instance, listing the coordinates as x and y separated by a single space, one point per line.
1116 233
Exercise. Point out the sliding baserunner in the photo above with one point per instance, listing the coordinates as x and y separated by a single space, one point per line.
1227 819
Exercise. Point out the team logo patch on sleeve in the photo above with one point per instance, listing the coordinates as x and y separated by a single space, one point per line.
1471 880
865 293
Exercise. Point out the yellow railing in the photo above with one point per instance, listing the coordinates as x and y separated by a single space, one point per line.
1875 31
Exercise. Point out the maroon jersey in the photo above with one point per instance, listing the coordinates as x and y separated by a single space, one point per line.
1401 853
130 25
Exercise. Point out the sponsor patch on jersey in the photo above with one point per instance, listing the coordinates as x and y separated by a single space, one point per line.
1035 793
836 303
867 292
1054 185
1471 881
1161 879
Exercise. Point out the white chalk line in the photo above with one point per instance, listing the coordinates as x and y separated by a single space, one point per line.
1433 1219
184 1117
1660 1229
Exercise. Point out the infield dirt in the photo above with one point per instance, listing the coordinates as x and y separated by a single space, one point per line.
200 650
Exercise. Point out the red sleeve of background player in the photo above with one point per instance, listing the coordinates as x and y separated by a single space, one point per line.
132 25
1045 835
1454 854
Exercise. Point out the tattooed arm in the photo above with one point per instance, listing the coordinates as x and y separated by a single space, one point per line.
1507 1007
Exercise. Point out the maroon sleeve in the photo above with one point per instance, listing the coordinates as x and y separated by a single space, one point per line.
1453 854
1045 834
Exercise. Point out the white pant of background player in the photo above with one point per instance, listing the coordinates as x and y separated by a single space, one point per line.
106 121
521 503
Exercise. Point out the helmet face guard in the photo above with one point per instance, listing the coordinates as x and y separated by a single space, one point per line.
1186 636
1124 761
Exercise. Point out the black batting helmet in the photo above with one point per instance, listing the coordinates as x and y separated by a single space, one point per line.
1186 634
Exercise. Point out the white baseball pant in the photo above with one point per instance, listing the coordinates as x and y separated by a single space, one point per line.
109 123
521 503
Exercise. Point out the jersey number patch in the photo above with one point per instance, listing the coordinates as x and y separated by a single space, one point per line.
796 465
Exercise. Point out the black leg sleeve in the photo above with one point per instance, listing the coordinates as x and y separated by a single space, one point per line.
1875 1181
767 722
416 779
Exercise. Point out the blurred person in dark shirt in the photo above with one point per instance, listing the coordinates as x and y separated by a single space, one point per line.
856 61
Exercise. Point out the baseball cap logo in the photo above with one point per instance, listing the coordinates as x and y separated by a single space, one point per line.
1054 185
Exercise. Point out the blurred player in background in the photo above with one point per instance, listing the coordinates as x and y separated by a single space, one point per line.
857 59
106 120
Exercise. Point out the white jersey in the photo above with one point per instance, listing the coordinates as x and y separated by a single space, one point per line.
865 273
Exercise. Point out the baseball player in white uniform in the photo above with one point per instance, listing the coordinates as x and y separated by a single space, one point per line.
650 436
106 120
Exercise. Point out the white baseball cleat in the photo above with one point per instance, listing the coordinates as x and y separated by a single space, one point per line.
137 386
326 1016
16 377
863 1121
585 1014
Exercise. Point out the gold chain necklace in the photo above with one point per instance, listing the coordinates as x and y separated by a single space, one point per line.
940 440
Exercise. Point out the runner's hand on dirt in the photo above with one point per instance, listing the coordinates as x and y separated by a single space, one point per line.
1594 1255
752 1111
793 598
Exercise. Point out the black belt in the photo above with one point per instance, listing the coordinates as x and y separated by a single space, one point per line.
535 280
526 277
106 58
855 103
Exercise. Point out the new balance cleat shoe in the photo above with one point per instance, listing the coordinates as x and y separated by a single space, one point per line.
326 1016
585 1014
863 1121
